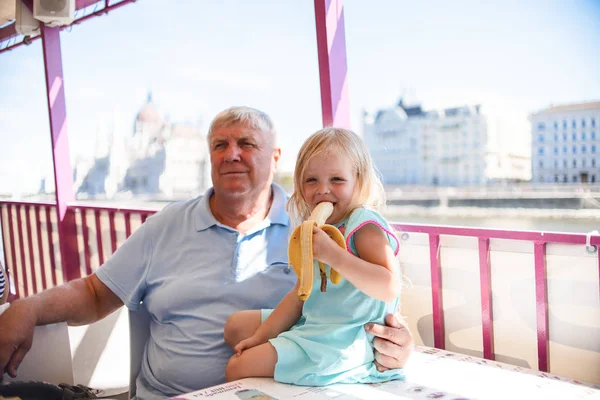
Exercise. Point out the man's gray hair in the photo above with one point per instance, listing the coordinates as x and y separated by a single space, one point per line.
257 119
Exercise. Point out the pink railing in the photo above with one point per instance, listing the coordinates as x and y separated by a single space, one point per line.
32 256
31 242
539 239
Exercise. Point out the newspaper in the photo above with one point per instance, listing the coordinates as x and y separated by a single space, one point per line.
430 374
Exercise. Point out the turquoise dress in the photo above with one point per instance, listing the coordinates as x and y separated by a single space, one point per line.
329 344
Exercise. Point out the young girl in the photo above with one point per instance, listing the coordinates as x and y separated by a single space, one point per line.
322 340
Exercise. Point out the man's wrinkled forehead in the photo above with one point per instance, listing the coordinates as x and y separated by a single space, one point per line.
240 130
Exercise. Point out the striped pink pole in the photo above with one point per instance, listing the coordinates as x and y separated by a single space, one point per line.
436 292
541 301
99 237
4 239
333 69
485 278
30 245
22 251
127 217
13 274
38 225
86 242
51 246
63 174
113 231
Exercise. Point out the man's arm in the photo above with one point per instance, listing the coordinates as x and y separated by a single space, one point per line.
393 343
78 302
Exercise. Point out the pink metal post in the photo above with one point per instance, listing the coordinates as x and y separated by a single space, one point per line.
5 238
22 251
86 242
436 292
38 226
51 246
113 231
63 174
541 304
99 236
127 216
333 69
30 245
13 251
485 278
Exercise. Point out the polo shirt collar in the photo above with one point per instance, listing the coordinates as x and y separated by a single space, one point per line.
277 214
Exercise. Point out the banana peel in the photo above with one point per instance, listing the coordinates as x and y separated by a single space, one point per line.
300 250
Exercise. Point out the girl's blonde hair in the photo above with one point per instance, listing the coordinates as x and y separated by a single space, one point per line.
370 191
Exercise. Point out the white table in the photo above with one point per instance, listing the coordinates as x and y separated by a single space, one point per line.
430 374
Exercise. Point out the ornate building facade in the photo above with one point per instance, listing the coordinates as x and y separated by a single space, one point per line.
159 160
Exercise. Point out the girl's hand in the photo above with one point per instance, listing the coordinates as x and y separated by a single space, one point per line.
324 248
252 341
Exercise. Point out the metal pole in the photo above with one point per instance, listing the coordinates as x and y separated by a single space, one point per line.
63 174
333 69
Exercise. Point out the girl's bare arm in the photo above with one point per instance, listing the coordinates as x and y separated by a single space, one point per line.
374 272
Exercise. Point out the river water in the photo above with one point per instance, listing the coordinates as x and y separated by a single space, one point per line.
573 225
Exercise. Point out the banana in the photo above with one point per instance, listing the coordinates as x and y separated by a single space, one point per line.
300 250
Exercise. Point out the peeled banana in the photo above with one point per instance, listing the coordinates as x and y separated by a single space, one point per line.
300 250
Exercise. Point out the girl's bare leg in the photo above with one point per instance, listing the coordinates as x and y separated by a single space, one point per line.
257 361
241 325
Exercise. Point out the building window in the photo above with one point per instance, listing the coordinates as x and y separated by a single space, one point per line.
555 125
565 149
540 150
593 162
564 124
555 178
574 124
583 123
564 137
556 150
574 163
593 178
583 136
555 163
541 138
593 135
565 179
583 163
574 178
583 149
555 137
565 163
574 149
541 126
593 123
593 148
541 164
574 137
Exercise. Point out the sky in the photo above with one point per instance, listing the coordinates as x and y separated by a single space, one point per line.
199 57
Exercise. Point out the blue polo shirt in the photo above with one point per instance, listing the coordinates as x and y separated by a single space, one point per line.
192 273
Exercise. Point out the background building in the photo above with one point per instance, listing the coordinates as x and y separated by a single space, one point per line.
565 144
447 147
158 160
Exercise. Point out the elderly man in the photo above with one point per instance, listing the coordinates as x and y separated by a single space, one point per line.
192 265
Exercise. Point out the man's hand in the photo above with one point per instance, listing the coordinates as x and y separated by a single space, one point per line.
17 325
393 343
